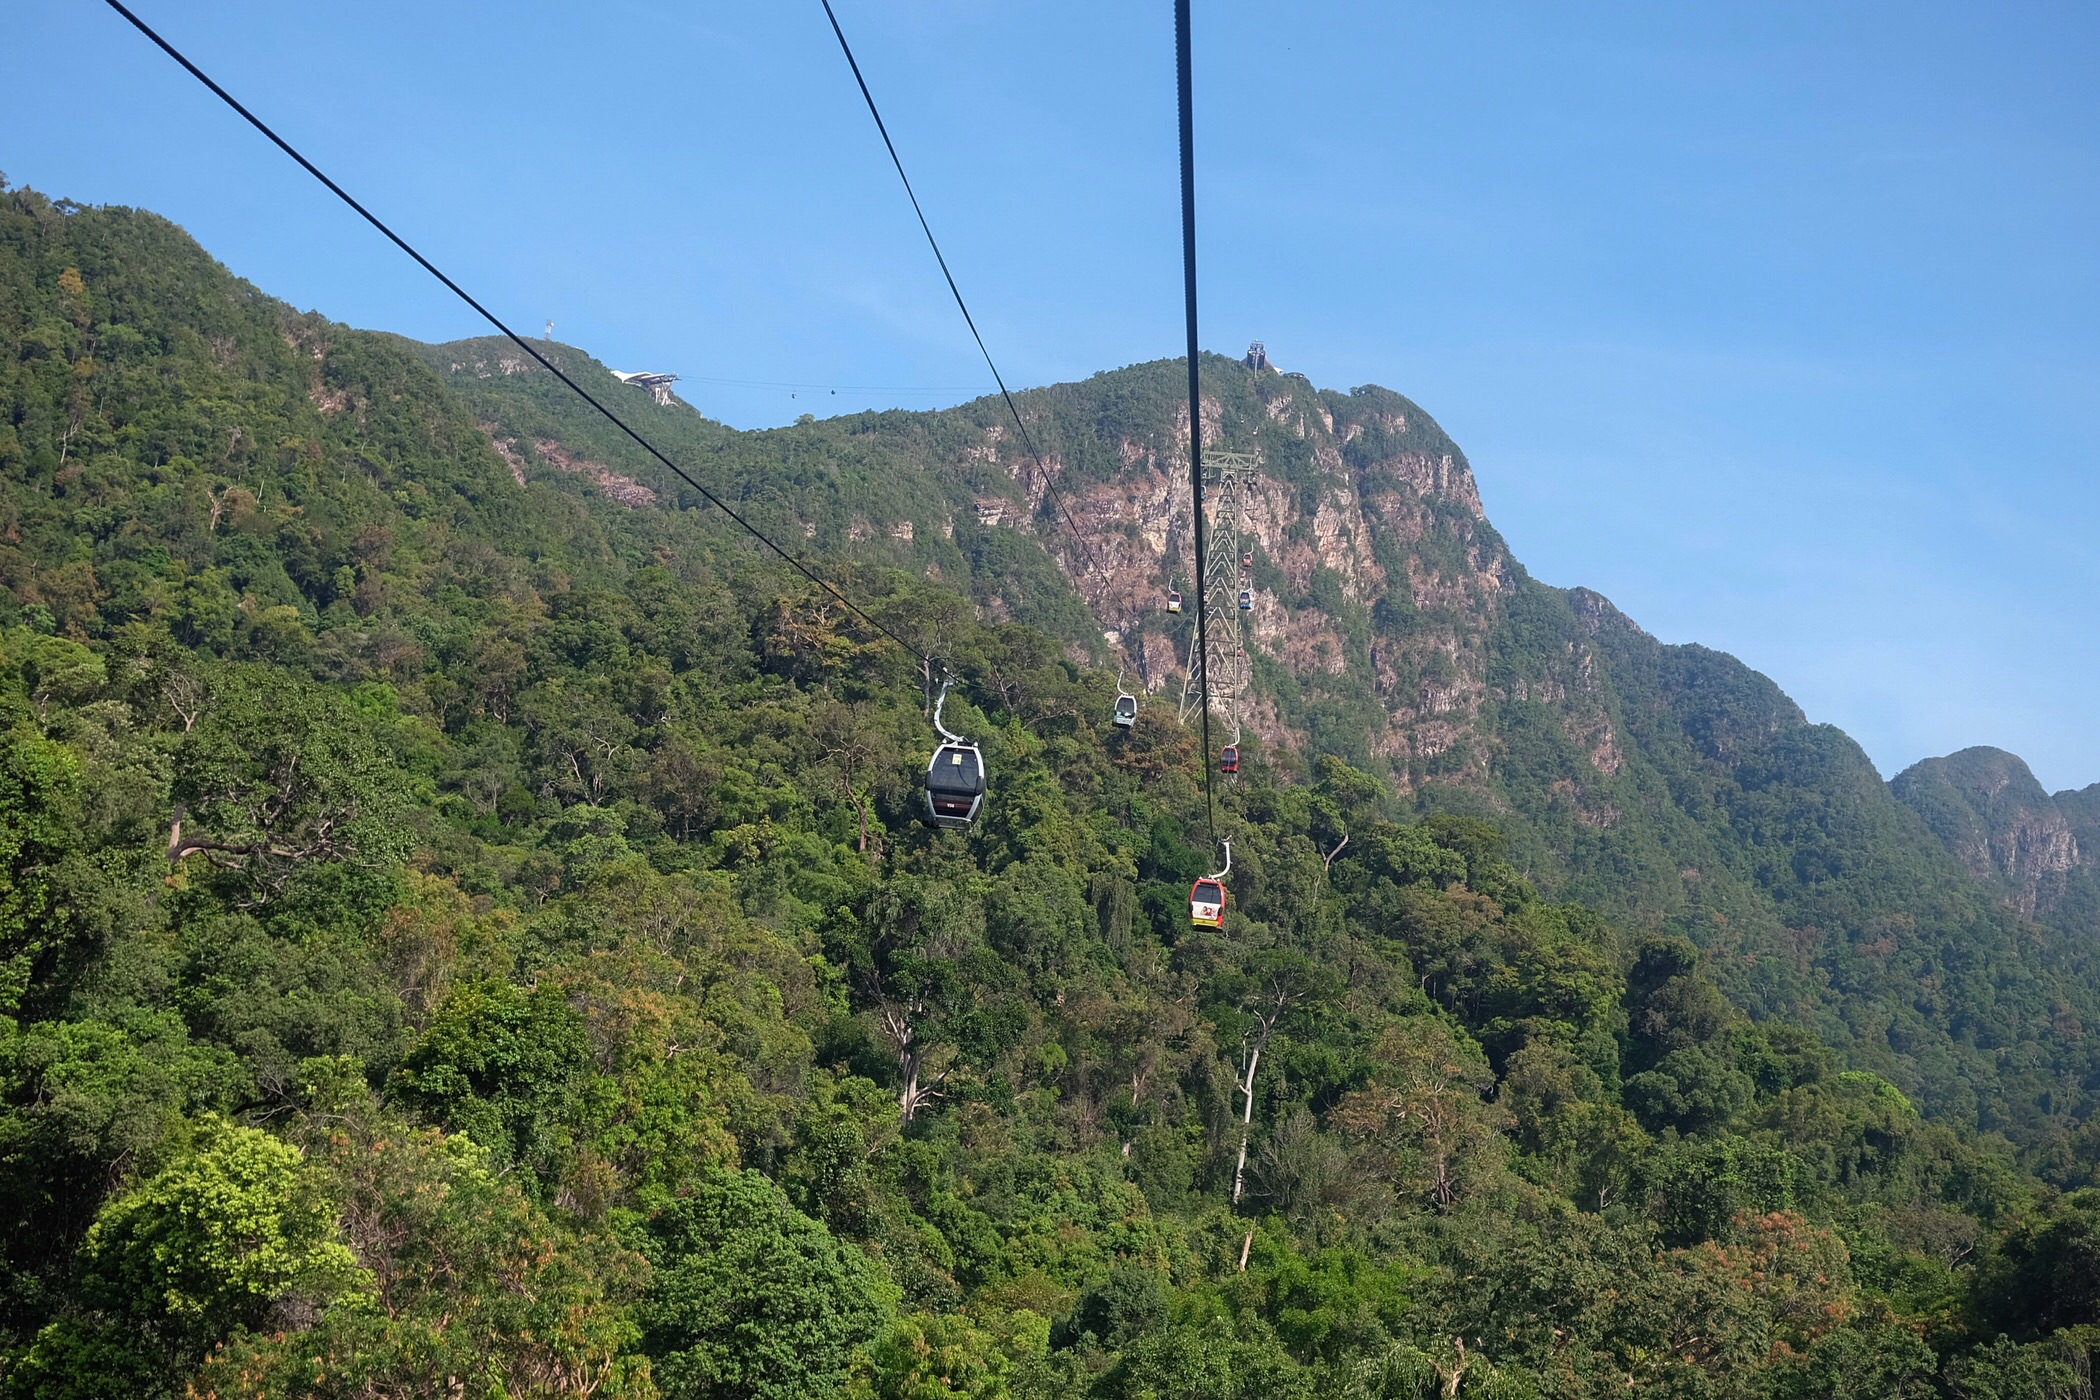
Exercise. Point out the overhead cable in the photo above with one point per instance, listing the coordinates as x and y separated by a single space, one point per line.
1186 102
428 266
1042 472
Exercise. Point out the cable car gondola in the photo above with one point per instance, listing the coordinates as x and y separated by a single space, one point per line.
1173 600
1246 600
1207 896
1125 714
1229 759
955 776
1247 562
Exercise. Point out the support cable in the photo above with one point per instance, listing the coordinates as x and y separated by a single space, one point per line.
487 315
1186 101
1042 472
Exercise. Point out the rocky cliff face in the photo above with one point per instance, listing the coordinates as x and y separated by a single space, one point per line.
1986 808
1379 583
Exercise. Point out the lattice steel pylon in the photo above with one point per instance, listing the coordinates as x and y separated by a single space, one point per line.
1220 678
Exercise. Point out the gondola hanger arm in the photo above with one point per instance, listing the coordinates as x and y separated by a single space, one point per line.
1227 844
946 683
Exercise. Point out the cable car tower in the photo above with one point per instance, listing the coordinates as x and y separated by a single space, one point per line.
1219 678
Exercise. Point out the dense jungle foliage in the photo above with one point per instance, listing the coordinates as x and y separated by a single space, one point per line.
463 938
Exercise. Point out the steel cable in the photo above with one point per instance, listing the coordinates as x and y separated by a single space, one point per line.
1185 101
1028 442
428 266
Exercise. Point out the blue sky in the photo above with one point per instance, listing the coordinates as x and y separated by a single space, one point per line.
1777 323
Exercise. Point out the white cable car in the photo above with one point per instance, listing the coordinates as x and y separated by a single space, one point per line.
1173 600
955 776
1125 713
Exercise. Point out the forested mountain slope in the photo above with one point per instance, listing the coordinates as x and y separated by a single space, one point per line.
465 930
1670 786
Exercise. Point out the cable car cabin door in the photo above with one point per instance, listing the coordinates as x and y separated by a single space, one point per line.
954 786
1207 904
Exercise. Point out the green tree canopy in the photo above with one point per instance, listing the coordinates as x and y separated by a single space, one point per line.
753 1300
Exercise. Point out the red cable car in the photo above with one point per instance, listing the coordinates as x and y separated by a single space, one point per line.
1229 759
1247 560
1207 904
